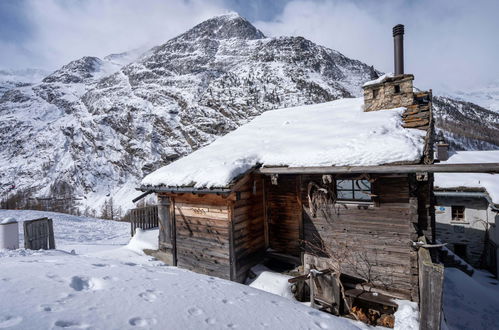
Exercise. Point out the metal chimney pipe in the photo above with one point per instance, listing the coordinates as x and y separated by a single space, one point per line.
398 42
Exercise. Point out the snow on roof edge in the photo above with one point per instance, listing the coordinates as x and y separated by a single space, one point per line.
379 80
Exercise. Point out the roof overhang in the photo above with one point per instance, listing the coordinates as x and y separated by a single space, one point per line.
419 168
449 192
181 190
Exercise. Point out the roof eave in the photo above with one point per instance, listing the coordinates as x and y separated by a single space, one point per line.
401 168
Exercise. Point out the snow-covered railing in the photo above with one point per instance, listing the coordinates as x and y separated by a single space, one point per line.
143 217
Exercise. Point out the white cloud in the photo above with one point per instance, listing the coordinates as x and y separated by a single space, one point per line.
66 30
448 44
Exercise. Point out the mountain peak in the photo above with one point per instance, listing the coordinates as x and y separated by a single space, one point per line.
76 71
226 26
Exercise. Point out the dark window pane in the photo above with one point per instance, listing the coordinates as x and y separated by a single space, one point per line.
457 213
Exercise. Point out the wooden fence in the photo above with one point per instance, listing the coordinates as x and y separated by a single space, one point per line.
39 234
143 217
431 278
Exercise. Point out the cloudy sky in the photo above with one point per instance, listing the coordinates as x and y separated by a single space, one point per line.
449 43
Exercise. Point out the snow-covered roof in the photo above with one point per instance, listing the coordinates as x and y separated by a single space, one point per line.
489 182
335 133
379 79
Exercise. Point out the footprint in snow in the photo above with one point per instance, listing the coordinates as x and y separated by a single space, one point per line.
210 321
142 322
227 301
100 265
148 295
80 283
322 325
319 314
70 324
195 311
7 321
46 308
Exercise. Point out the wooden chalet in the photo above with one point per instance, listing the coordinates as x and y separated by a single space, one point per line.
374 212
345 185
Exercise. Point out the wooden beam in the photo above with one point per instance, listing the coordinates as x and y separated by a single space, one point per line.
434 168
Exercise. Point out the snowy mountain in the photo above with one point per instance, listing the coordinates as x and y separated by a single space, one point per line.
14 78
465 125
93 128
487 96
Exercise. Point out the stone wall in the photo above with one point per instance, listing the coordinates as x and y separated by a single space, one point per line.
392 92
470 231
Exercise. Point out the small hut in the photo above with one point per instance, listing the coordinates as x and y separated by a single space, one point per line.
325 176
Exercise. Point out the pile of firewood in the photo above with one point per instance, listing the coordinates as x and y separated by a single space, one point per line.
373 317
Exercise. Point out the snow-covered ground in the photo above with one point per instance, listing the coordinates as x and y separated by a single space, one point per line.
99 279
471 302
107 284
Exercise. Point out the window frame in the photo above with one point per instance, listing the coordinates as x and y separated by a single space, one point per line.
396 89
354 190
457 213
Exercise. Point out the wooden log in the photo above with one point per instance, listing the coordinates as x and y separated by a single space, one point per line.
409 168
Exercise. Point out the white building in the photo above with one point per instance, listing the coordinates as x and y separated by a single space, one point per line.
467 210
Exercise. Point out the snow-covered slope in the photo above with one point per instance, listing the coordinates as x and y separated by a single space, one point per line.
94 280
93 128
14 78
466 126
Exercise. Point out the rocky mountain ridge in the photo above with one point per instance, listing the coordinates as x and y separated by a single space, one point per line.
92 129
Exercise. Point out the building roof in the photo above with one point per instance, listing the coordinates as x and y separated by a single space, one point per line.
471 181
336 133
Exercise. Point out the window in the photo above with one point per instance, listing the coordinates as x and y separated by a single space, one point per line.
457 213
397 89
353 190
375 93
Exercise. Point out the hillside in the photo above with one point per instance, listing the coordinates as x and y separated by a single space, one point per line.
93 128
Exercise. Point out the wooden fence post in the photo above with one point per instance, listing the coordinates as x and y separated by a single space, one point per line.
51 234
431 277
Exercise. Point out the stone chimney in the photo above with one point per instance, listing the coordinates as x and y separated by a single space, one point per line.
391 90
388 92
442 152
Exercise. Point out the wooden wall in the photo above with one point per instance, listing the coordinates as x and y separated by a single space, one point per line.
377 236
284 214
202 233
226 235
376 239
248 225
